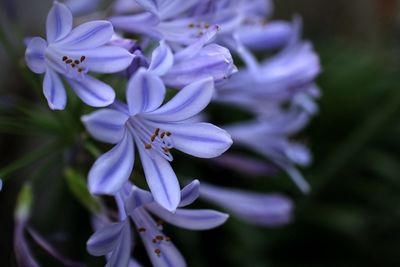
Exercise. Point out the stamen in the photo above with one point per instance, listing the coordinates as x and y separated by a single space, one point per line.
168 133
160 237
154 240
141 230
80 69
162 135
73 65
83 58
148 146
69 61
156 131
166 149
77 62
153 137
64 58
167 238
160 223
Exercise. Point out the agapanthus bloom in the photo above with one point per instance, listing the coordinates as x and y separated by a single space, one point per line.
72 53
155 130
138 206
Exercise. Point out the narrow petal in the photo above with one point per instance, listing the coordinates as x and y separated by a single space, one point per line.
106 125
162 253
34 55
93 92
122 252
202 140
105 59
161 179
190 219
136 199
105 239
190 193
113 168
88 35
255 208
162 59
145 92
188 102
59 22
54 90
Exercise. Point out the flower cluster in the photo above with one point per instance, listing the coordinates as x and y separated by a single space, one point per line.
186 48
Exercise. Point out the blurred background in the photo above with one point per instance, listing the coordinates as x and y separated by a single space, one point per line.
351 217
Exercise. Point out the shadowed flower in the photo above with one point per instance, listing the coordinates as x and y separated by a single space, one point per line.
72 53
155 130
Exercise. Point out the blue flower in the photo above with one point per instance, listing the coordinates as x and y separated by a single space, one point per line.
137 205
72 53
155 130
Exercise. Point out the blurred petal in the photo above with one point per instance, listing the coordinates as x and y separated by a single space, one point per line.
112 169
106 125
259 209
188 102
190 219
202 140
105 59
145 92
88 35
161 179
23 254
190 193
54 90
34 55
122 253
162 59
93 92
105 239
58 23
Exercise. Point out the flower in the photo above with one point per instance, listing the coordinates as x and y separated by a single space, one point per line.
155 130
72 53
137 205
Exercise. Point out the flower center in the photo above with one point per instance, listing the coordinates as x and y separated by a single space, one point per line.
75 64
154 140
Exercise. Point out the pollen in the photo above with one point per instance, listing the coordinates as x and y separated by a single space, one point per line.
157 251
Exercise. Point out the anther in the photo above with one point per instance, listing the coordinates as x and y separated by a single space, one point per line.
69 61
73 65
157 251
141 230
64 58
154 240
191 25
160 223
80 69
153 137
148 146
156 131
166 149
77 62
83 58
160 237
167 238
168 133
162 135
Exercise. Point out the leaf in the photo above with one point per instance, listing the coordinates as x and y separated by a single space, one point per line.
78 188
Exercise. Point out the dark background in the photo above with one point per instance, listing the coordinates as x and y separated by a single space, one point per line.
352 216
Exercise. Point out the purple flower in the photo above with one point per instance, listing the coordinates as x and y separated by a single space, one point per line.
256 208
269 136
138 205
72 53
155 130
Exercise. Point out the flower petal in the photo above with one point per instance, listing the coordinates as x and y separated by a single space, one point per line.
58 23
256 208
105 59
34 55
162 253
105 239
188 102
202 140
112 169
88 35
162 59
145 92
106 125
136 199
54 90
190 193
122 253
161 179
93 92
190 219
